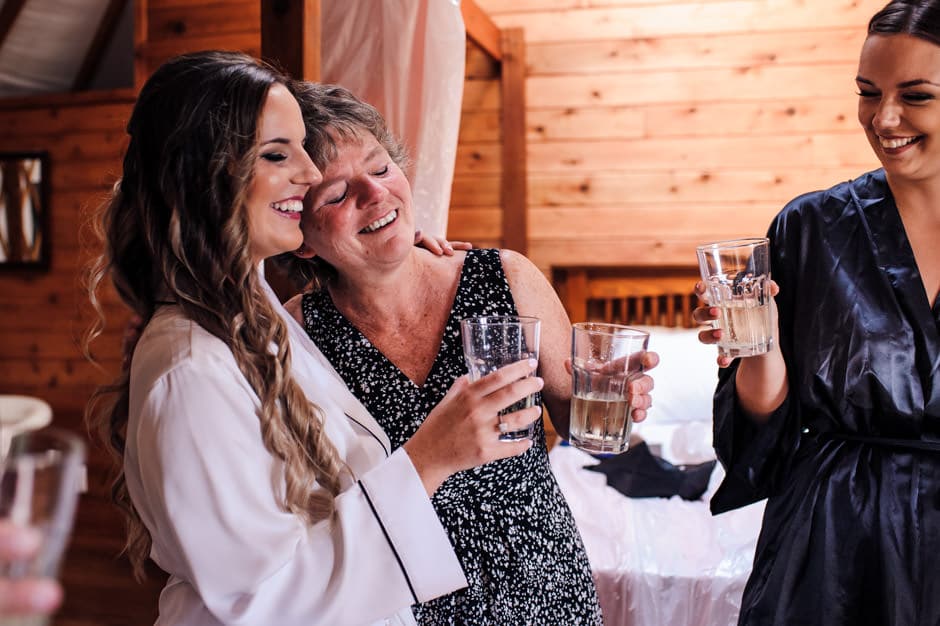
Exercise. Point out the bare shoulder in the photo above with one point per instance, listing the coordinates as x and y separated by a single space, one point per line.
519 268
443 268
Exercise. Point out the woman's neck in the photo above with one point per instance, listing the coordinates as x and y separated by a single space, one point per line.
918 201
389 291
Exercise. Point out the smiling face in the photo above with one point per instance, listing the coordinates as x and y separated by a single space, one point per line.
360 217
283 173
899 104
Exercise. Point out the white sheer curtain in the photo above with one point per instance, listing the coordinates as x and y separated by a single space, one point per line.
405 57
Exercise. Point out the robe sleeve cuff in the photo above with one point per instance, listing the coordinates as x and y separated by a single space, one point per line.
413 528
753 454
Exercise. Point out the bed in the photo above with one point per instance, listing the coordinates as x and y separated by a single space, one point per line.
657 561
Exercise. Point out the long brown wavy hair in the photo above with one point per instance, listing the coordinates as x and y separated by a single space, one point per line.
176 229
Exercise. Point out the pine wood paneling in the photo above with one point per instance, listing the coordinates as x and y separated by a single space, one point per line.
686 18
203 19
687 186
641 221
687 52
475 191
751 119
481 95
719 153
664 123
699 85
478 223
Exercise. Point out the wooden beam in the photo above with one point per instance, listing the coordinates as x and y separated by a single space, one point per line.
513 187
290 36
141 27
481 29
8 14
99 44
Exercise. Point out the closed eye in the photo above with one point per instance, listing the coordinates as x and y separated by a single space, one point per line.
339 198
867 94
918 97
382 172
274 157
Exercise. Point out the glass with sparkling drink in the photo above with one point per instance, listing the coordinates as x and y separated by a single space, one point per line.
605 358
736 274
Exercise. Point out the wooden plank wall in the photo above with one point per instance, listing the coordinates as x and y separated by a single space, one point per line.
42 315
656 124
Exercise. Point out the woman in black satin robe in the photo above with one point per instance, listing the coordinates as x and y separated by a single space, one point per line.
839 426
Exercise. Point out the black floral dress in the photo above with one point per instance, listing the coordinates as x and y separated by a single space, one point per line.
508 521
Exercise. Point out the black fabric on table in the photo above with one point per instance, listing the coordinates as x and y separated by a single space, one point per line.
638 473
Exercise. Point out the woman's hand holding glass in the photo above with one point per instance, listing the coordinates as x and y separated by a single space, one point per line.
639 388
707 314
462 431
638 391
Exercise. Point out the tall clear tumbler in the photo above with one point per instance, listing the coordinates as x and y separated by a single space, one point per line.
490 342
605 358
39 488
736 274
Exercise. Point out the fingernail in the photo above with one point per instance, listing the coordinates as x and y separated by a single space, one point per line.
533 363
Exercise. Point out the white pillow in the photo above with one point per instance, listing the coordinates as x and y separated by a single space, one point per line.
680 418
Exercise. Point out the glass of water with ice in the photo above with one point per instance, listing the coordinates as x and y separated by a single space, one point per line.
736 274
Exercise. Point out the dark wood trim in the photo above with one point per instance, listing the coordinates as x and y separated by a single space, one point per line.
650 296
99 44
69 99
8 14
513 185
141 27
481 29
290 36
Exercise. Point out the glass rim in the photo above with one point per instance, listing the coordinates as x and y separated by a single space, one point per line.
58 439
731 244
610 329
499 320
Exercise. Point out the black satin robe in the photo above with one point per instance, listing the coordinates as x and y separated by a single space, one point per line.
851 461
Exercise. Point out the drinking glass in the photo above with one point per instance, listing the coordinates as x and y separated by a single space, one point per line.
736 275
490 342
39 486
605 358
